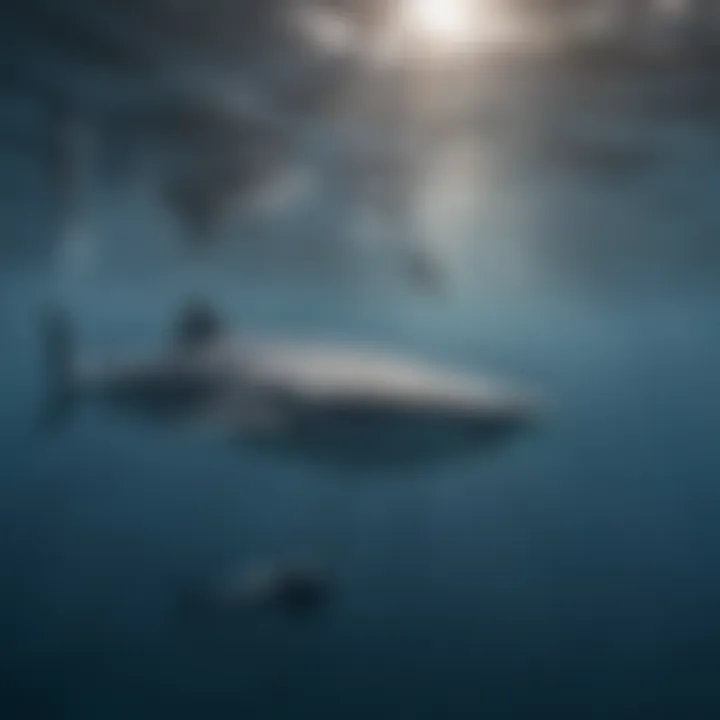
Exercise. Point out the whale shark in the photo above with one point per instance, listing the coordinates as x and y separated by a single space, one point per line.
324 400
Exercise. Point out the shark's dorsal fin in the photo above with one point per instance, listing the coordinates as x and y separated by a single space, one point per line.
197 324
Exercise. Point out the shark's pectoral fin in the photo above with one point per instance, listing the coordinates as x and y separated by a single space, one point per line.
265 419
254 418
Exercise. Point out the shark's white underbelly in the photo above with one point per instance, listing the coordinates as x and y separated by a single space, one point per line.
332 375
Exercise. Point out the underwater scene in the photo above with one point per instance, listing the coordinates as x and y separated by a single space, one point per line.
359 360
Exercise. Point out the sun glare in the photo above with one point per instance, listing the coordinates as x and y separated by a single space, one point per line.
449 25
446 21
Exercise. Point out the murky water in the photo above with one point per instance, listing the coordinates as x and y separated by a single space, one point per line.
573 574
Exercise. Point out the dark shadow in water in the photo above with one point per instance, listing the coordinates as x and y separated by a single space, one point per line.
66 31
695 101
600 160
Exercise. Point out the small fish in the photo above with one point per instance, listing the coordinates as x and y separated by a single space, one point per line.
292 588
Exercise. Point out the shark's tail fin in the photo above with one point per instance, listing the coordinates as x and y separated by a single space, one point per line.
58 347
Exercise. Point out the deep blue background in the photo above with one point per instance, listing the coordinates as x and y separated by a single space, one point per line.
573 575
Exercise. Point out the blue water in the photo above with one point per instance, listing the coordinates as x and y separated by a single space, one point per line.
574 574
